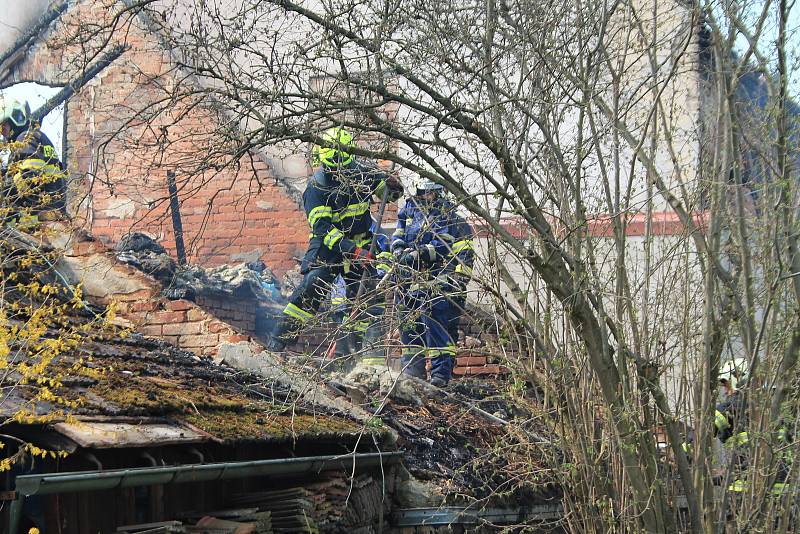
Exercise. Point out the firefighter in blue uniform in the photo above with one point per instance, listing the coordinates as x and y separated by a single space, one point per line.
435 254
33 185
337 203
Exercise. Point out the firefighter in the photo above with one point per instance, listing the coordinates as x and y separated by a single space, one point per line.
365 332
730 426
33 182
433 244
337 203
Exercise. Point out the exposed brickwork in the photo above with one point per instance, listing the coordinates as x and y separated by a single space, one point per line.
238 212
199 327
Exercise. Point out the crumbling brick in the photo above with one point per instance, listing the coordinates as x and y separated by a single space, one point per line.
166 317
144 306
216 327
179 305
466 361
196 314
182 329
235 338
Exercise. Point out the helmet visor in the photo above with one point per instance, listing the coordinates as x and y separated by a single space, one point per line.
18 117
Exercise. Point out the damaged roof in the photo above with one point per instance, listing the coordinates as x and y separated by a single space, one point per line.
146 392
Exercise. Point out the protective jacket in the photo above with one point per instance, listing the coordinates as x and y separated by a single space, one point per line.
730 418
337 204
439 235
730 426
430 307
35 176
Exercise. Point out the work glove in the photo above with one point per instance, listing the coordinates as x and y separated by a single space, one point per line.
363 255
423 256
409 259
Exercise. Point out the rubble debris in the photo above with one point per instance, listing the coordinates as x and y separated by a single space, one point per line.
145 254
241 356
291 279
367 382
457 441
471 342
253 280
412 493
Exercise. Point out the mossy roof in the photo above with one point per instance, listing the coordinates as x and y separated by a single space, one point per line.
147 379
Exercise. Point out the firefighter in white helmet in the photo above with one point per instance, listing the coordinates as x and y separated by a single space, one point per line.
433 244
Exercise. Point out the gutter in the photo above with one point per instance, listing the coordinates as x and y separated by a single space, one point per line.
48 484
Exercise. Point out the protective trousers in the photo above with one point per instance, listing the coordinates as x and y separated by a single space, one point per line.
426 321
308 297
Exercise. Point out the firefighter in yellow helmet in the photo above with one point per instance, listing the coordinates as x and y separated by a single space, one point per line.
337 202
33 185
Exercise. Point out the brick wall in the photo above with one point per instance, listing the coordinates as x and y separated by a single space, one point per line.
202 326
236 210
187 325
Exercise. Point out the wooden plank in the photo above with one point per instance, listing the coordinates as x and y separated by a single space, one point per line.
148 526
108 435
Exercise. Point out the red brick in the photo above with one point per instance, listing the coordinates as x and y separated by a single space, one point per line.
489 369
166 317
196 314
179 305
182 329
150 330
202 340
87 247
235 338
145 305
465 361
217 327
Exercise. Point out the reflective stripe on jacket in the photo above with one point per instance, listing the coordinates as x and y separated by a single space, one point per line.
337 203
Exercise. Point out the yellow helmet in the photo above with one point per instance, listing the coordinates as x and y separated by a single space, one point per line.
333 152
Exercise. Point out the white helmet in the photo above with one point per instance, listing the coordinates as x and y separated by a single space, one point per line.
428 185
15 113
735 372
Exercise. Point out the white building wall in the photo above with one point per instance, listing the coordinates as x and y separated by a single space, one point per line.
17 16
